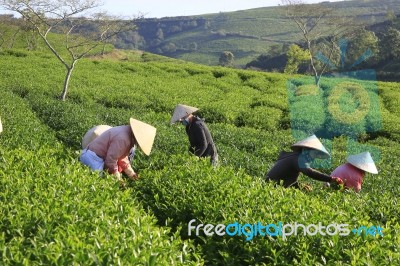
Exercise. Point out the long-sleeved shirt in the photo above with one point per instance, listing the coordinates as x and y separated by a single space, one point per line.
201 142
113 147
288 168
351 176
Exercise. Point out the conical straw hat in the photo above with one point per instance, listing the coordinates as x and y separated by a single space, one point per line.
93 133
1 126
182 111
144 135
364 162
312 142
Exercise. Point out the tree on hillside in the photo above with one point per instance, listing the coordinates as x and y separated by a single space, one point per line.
295 57
80 34
160 34
390 44
363 43
390 16
111 26
321 29
130 40
193 46
169 48
227 59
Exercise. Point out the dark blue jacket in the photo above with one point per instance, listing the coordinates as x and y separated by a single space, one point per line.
201 142
288 168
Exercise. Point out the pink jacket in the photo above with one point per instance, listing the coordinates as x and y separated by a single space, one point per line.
351 176
113 147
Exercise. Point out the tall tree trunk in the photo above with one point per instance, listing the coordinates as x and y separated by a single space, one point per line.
312 63
317 80
66 81
103 50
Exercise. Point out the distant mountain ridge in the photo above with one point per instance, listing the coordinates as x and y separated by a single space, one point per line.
247 34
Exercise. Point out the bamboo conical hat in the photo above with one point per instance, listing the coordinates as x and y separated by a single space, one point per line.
144 135
312 142
182 111
93 133
363 161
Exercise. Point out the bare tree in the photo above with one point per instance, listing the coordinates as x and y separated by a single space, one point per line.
111 27
321 29
83 31
8 31
30 35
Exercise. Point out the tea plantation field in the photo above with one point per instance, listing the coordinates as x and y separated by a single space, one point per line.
54 211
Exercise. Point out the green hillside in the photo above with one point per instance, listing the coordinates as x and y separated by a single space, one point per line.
247 33
54 211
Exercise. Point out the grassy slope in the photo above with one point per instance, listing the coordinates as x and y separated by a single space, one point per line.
174 186
268 25
52 210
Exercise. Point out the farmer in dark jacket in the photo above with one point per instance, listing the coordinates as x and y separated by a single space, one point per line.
290 164
201 141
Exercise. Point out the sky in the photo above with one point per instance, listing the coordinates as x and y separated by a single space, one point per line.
173 8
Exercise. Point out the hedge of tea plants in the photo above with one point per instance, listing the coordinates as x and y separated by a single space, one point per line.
74 217
56 212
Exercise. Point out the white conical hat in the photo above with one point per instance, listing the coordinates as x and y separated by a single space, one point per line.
182 111
1 126
93 133
144 135
364 162
312 142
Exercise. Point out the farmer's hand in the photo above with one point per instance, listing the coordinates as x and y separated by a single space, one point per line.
337 183
131 174
337 180
122 185
307 188
134 177
121 181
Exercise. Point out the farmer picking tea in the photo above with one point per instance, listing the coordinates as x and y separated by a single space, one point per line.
352 173
96 131
201 142
290 164
113 147
93 133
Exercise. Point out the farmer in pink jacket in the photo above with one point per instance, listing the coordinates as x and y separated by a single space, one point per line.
352 173
109 151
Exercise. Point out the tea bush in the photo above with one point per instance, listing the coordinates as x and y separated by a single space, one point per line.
55 211
21 127
191 189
